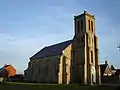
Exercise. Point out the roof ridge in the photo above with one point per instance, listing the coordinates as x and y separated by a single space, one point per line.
59 43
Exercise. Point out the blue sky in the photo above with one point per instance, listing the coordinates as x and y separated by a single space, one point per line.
26 26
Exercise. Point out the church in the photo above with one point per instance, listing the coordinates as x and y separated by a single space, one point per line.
72 61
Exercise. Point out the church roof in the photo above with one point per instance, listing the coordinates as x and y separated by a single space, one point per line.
112 67
51 50
103 68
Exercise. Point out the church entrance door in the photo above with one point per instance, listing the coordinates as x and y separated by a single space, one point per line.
93 78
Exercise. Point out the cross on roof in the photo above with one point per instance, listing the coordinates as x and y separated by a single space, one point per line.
106 58
118 47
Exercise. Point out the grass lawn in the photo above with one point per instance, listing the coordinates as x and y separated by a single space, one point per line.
32 86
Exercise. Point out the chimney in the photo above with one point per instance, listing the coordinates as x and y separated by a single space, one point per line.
106 62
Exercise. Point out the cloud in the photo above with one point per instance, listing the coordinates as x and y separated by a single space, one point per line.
18 50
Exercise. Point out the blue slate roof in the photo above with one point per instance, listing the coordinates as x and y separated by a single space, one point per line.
102 68
51 50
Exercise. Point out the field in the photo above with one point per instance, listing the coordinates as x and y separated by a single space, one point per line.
32 86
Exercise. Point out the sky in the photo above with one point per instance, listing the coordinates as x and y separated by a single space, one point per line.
26 26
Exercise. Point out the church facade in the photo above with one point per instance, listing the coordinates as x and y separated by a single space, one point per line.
72 61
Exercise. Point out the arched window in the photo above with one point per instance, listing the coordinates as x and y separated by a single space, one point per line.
81 25
89 24
92 26
92 41
89 39
78 41
82 39
78 26
91 56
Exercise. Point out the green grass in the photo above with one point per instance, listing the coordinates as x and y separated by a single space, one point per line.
32 86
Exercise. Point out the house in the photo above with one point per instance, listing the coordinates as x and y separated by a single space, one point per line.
117 73
113 70
109 74
7 71
3 73
105 69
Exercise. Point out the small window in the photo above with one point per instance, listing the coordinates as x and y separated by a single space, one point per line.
46 69
67 73
39 71
91 56
78 25
89 24
66 64
105 74
82 39
78 40
92 26
81 24
89 40
92 40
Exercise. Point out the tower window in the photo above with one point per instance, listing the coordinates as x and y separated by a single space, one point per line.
89 40
81 24
78 41
78 25
82 39
92 25
92 41
91 56
89 24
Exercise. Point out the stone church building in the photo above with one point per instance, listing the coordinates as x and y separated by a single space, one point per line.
72 61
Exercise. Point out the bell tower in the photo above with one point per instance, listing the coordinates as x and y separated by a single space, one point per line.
85 63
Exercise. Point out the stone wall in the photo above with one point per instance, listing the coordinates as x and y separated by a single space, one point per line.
44 70
65 66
